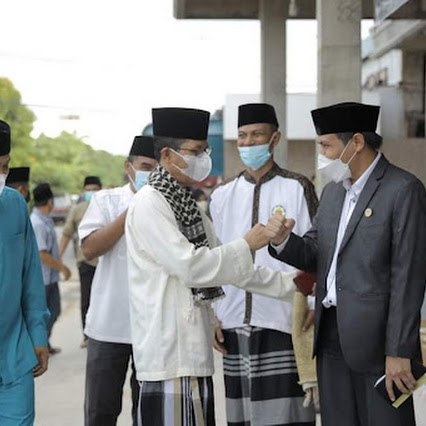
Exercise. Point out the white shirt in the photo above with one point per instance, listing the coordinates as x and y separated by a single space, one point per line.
171 337
231 209
108 319
352 195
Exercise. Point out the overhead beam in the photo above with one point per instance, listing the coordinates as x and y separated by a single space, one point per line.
306 9
249 9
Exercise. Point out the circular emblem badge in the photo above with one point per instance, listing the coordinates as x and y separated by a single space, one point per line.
278 209
368 212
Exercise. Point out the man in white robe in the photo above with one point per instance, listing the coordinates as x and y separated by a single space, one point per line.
175 270
254 331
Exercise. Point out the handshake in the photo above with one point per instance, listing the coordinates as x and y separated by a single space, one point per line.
275 232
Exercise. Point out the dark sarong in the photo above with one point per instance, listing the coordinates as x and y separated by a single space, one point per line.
185 401
261 379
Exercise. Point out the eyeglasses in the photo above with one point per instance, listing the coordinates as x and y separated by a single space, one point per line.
197 152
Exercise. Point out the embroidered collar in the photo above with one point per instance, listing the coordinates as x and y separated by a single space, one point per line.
273 171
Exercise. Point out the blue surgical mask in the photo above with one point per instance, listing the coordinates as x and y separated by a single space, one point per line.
255 156
88 195
141 178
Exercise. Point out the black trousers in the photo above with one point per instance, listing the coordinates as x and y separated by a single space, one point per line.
53 301
86 272
348 398
106 368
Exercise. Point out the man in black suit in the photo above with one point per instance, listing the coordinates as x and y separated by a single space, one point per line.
368 247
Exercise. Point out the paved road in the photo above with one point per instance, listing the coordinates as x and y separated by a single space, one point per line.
60 392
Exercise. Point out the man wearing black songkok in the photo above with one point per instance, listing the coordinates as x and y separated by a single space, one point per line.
368 247
253 330
23 311
175 273
49 253
109 348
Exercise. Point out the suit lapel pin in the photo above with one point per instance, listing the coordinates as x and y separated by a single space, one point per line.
368 212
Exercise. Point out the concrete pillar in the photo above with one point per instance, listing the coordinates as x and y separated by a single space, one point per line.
273 15
413 76
339 54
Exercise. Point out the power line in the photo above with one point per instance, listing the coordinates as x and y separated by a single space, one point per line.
72 108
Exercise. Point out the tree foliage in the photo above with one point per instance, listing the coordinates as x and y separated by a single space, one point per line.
19 118
63 161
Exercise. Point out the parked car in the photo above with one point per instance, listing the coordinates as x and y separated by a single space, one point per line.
62 205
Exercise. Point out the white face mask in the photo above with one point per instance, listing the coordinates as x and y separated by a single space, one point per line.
199 166
335 170
2 182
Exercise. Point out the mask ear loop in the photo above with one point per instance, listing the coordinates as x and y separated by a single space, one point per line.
350 159
130 178
270 141
183 158
346 147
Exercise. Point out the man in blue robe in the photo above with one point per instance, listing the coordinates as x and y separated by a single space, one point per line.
23 311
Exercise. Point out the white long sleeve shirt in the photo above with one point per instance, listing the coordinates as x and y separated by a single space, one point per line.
170 336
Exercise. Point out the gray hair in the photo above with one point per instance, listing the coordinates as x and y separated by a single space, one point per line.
161 142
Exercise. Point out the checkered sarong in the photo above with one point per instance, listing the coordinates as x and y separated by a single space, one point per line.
261 379
185 401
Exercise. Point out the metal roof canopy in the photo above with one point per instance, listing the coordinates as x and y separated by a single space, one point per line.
249 9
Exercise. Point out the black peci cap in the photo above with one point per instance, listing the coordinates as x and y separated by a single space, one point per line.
92 180
181 123
18 175
256 113
345 117
143 146
4 138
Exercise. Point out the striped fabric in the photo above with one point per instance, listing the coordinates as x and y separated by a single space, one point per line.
184 401
261 380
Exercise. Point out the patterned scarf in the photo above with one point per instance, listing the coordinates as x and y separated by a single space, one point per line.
189 221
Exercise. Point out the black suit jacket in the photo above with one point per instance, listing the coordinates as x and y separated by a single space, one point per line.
381 266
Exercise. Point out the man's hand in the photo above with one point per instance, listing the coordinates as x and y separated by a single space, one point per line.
66 272
256 238
279 228
42 354
398 371
218 338
311 395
